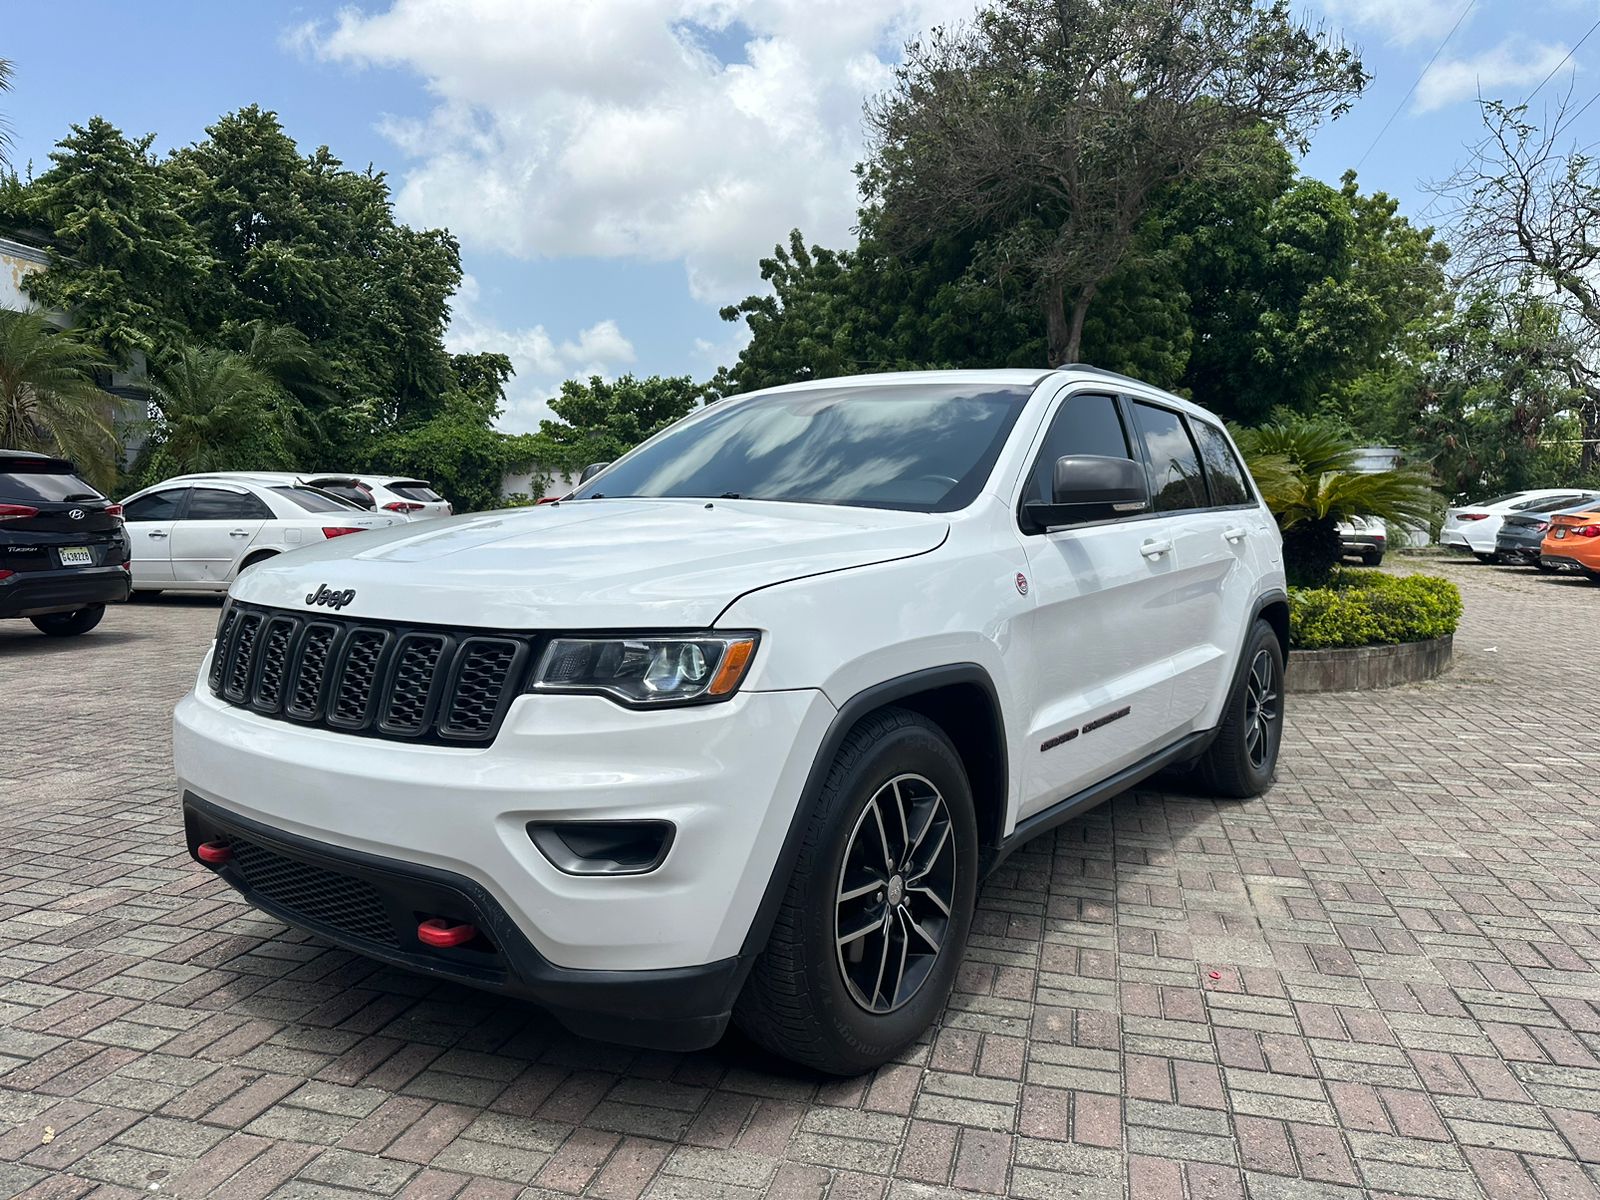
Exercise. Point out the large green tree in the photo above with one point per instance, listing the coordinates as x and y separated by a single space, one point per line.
1050 127
601 420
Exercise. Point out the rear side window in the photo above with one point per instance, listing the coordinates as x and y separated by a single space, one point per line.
1223 471
214 504
48 479
1082 425
157 506
416 491
352 495
314 499
1175 479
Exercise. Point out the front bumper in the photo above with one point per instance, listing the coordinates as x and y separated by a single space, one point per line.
36 593
727 776
373 905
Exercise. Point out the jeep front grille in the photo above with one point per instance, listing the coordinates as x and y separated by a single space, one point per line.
370 678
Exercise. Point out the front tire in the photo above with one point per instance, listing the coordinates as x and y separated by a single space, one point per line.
1243 759
69 624
874 923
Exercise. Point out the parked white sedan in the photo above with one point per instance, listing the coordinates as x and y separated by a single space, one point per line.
196 533
1474 527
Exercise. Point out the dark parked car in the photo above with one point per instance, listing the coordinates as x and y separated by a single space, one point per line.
1522 533
63 551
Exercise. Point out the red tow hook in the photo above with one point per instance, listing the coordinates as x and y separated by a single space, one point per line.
436 931
214 853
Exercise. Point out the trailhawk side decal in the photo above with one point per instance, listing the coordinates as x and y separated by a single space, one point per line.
1097 723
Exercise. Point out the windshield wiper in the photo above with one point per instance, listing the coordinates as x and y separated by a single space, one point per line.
730 496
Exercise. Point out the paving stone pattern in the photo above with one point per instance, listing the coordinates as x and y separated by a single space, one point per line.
1379 979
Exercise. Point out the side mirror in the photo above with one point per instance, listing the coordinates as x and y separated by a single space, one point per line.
591 471
1090 487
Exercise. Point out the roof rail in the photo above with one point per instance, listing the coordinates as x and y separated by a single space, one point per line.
1093 370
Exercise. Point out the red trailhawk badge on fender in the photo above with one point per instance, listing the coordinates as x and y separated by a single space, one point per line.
1022 584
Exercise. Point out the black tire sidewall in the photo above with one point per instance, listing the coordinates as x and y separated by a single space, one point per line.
70 624
1261 638
855 1033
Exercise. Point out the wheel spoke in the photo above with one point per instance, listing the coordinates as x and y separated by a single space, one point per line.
905 947
883 836
900 811
934 810
933 942
846 939
931 895
883 961
917 872
866 889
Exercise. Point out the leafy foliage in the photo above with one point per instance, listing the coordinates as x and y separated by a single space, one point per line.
1305 469
49 400
1368 608
1048 128
600 421
215 410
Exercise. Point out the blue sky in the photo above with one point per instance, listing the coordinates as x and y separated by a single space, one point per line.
614 168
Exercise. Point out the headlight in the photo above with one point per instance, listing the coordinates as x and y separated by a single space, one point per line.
648 670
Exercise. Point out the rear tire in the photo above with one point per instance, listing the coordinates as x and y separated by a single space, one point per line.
69 624
256 559
1485 558
1372 558
1243 759
891 857
1543 568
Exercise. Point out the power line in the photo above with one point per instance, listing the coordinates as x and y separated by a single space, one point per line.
1567 58
1416 82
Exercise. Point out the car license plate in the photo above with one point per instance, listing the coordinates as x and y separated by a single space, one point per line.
1561 532
76 556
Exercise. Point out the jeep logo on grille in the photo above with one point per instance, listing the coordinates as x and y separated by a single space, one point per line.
328 598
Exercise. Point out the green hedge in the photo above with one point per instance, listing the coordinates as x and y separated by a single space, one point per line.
1370 608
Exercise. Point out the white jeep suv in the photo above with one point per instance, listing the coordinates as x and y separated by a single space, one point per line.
737 730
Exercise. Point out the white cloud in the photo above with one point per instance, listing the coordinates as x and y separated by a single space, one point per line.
1399 21
1515 64
606 127
541 362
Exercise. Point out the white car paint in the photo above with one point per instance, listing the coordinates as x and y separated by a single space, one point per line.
1147 614
195 533
1474 527
405 496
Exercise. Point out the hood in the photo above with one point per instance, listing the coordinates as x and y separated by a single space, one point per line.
589 564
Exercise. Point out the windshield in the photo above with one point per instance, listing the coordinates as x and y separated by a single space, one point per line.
918 447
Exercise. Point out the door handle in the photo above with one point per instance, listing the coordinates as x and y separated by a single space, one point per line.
238 533
155 533
1154 549
1234 533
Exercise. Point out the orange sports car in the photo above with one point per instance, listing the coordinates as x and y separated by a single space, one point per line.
1573 543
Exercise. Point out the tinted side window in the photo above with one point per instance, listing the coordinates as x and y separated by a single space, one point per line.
1082 425
157 506
212 504
1228 484
1175 479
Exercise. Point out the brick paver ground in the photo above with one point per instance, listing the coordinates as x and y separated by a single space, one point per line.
1382 977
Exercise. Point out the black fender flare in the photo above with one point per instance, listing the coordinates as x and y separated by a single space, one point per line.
846 719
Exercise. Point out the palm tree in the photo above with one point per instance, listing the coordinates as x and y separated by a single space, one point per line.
215 411
5 128
1305 469
48 397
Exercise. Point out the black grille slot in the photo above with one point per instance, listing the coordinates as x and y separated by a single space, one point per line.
352 695
350 906
305 694
416 663
219 657
370 678
482 669
274 659
237 685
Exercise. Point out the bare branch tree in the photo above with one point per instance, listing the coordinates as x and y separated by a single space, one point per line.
1525 213
1049 124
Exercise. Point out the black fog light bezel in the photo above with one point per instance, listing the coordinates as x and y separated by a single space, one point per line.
555 840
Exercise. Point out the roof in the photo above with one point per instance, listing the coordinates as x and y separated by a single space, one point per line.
1029 377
